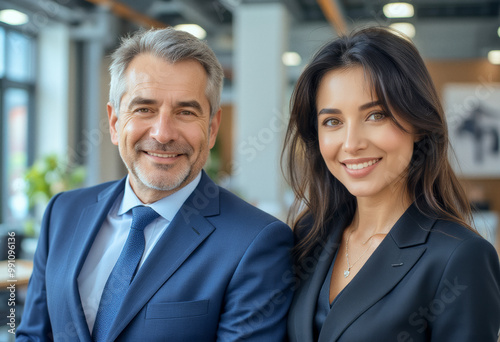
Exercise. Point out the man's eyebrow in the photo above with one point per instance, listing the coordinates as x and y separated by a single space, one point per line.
141 101
145 101
190 104
338 111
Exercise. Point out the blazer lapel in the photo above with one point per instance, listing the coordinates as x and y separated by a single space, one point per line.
390 262
185 233
87 228
307 297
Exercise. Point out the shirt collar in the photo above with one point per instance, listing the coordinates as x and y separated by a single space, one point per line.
167 207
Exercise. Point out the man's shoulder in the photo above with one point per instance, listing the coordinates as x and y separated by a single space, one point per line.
90 193
232 207
243 223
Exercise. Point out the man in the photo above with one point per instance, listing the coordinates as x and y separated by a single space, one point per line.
210 266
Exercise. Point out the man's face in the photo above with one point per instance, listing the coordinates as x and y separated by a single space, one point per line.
163 131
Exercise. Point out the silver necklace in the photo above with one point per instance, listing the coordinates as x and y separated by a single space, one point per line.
349 266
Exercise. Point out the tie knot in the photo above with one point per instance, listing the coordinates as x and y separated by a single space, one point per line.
142 216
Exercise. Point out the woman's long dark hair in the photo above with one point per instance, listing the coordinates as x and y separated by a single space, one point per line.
403 85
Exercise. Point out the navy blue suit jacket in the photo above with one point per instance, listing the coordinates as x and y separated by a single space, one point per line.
216 274
429 280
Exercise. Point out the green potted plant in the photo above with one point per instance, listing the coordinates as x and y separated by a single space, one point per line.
48 176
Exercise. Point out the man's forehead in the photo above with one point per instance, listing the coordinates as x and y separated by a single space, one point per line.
165 75
152 77
148 64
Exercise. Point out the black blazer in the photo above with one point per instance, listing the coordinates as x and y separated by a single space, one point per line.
429 280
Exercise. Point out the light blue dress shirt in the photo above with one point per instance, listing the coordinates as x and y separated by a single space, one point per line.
111 238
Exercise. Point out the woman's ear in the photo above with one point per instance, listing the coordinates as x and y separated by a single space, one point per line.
417 137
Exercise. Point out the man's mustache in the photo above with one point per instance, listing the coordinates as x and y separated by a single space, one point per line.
152 145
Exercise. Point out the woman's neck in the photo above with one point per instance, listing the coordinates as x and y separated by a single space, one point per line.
374 216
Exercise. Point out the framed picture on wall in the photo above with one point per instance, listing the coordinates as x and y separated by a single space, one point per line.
473 115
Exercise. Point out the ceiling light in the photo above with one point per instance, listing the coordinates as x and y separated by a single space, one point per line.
291 59
498 31
398 10
13 17
494 57
194 29
406 29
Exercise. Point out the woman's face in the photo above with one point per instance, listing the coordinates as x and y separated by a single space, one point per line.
360 144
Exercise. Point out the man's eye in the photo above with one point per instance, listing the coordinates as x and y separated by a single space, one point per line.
142 110
186 112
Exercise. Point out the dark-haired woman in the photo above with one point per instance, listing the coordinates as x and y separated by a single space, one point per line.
384 246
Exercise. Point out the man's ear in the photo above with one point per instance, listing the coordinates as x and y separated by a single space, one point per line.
214 128
113 122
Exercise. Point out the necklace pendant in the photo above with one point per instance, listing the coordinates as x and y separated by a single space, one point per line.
346 273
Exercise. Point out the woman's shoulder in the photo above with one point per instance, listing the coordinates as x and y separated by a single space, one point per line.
457 241
453 232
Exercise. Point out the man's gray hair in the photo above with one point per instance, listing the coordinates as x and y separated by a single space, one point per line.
172 46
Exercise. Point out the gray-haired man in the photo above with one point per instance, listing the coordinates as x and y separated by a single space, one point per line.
163 254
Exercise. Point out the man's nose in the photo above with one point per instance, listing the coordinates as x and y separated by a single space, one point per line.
164 128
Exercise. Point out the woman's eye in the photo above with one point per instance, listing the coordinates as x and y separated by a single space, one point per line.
376 116
331 122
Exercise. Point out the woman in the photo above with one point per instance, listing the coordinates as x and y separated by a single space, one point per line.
384 247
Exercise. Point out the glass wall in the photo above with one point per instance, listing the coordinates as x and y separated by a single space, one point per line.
17 79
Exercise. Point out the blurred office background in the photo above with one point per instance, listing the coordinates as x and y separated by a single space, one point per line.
54 56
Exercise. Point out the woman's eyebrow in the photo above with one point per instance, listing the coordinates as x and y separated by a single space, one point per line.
369 105
330 111
338 111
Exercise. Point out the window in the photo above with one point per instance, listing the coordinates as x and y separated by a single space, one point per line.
16 105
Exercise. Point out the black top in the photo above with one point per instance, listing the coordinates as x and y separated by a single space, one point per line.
323 306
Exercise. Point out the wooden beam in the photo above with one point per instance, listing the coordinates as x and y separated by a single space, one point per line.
334 15
125 12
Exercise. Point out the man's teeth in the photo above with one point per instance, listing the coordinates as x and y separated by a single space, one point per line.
361 165
162 155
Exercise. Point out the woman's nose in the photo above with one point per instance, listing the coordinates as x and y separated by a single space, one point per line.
355 139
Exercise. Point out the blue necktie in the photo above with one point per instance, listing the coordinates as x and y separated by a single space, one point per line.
123 272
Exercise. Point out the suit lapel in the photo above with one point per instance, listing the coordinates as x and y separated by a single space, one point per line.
87 228
390 262
185 233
